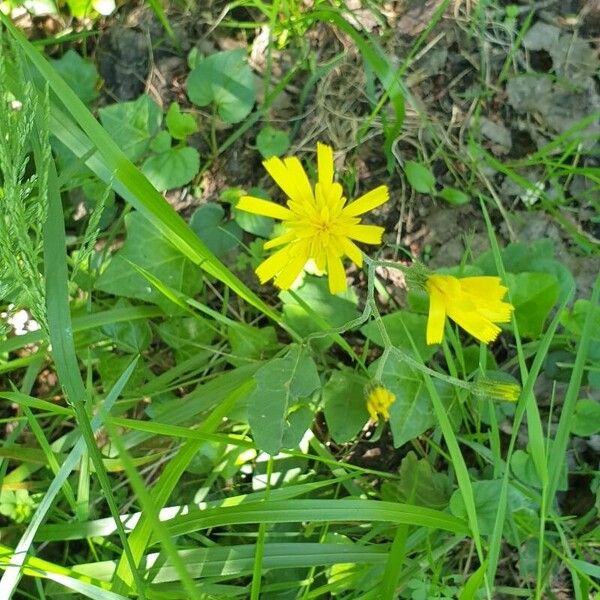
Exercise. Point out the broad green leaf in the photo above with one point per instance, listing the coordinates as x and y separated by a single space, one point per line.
80 74
147 248
335 310
486 495
249 344
188 336
272 142
419 177
411 414
110 366
517 256
523 467
210 226
180 125
454 196
533 296
558 365
132 124
397 324
344 404
161 142
573 321
538 256
224 79
172 169
419 484
282 385
129 336
586 420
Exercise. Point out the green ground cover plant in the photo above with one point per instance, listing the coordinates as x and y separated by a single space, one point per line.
284 327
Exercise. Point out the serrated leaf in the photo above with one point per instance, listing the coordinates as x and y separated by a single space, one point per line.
419 177
173 168
344 404
180 125
224 79
132 124
208 222
146 247
79 73
281 386
272 142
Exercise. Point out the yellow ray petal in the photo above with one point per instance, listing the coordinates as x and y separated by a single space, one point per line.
369 234
474 323
446 285
335 272
351 250
276 168
273 265
437 316
367 201
284 238
484 287
499 312
325 165
258 206
299 179
296 261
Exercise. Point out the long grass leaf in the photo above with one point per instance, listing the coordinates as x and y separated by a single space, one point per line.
111 165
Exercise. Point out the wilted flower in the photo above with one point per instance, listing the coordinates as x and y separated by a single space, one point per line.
379 400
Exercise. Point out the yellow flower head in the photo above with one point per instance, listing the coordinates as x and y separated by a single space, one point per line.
474 303
318 224
379 400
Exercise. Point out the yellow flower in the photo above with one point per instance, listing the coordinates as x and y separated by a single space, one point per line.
317 225
474 303
379 399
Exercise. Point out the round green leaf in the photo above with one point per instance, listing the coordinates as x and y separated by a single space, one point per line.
80 74
272 142
224 79
161 143
180 125
344 404
586 420
132 124
173 168
419 177
209 224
